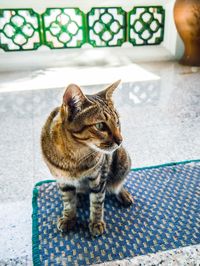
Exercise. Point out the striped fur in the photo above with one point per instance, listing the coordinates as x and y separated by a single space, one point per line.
81 145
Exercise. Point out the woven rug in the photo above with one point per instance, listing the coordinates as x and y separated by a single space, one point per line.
165 215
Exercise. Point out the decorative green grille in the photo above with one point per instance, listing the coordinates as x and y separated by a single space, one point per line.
146 25
63 27
107 27
19 29
24 29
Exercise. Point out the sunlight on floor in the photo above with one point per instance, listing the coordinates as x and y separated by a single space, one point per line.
61 77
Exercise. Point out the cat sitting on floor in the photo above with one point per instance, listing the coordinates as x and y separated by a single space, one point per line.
81 145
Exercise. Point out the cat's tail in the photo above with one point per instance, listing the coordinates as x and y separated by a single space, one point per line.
51 117
47 126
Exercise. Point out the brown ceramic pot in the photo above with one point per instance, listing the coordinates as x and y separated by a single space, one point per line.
187 20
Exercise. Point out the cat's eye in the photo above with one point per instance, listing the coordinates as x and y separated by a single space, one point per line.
100 126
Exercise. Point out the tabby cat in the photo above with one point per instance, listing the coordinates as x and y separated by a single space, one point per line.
81 145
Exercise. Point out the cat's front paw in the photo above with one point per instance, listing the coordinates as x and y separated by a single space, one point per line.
64 224
97 229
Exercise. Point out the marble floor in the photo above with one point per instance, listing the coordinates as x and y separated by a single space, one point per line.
159 105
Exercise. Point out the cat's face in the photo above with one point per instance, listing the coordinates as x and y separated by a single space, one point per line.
92 119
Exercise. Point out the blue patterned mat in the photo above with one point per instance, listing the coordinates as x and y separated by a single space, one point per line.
165 215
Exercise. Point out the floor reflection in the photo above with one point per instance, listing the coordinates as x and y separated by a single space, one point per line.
140 93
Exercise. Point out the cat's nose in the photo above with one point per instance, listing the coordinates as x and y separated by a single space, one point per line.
118 141
117 137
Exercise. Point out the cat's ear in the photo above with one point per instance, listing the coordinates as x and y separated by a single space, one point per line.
107 93
73 96
73 100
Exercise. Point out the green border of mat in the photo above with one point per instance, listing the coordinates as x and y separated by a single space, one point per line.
35 233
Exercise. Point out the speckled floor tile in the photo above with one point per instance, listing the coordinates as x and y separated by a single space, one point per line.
16 174
188 256
16 146
160 123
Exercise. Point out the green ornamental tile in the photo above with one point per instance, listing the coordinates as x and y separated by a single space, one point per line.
146 25
63 28
24 29
19 30
106 26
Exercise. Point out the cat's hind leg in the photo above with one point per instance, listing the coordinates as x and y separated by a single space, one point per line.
124 197
120 168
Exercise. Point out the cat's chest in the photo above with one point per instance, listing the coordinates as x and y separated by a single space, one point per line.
75 174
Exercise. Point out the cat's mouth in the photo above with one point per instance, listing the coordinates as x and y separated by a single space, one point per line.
107 149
